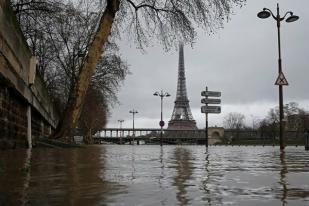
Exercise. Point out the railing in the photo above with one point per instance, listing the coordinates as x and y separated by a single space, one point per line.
152 135
141 132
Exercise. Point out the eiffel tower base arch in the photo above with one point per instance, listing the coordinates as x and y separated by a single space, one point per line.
181 124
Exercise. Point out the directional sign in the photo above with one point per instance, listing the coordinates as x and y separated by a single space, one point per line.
210 94
281 80
210 101
211 109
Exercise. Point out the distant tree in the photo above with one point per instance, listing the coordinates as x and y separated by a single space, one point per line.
295 119
291 108
273 122
304 120
267 130
94 114
234 121
262 128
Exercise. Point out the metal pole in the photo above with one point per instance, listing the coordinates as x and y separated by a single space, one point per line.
161 94
307 141
281 114
206 130
206 123
133 131
161 134
133 127
121 132
29 132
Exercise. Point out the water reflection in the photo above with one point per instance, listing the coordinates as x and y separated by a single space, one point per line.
206 181
162 175
69 177
183 166
213 182
288 190
152 175
133 170
27 173
14 176
283 181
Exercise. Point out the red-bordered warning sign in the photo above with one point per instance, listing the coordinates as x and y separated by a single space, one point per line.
281 80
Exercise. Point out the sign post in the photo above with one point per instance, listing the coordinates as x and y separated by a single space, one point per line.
307 140
209 109
206 120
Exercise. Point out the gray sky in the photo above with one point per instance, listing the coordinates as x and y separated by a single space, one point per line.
240 60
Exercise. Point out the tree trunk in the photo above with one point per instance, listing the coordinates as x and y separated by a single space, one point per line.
88 137
75 102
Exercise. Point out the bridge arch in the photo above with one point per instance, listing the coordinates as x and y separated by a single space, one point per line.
215 134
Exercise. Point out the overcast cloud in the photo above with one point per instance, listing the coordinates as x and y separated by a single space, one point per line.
239 60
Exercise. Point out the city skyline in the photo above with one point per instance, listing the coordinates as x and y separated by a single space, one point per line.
240 60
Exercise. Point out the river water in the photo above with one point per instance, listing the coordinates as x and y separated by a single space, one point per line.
150 175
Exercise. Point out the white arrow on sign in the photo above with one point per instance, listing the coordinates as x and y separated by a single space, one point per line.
211 109
210 101
210 94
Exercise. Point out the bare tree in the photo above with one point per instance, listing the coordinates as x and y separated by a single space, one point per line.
59 35
296 120
94 114
101 94
291 108
234 121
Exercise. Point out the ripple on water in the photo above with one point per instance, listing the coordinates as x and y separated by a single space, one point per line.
151 175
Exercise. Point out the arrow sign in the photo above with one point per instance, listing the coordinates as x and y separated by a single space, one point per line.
211 109
210 101
210 94
281 80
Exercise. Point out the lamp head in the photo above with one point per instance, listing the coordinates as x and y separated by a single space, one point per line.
292 18
264 14
167 95
156 94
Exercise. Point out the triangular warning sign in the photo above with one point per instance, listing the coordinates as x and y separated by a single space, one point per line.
281 80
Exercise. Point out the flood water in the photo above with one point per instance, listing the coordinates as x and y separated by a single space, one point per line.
150 175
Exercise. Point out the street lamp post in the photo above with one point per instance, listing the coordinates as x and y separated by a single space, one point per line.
133 113
120 127
265 13
161 94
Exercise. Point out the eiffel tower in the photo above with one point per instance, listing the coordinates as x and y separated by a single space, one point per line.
182 117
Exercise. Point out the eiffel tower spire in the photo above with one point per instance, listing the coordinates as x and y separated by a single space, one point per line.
182 117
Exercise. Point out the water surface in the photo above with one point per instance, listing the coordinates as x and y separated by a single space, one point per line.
150 175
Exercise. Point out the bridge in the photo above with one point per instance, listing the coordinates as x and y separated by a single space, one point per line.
152 136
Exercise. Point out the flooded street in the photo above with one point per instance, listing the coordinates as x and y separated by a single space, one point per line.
150 175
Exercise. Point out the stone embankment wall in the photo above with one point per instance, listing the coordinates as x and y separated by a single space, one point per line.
26 111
